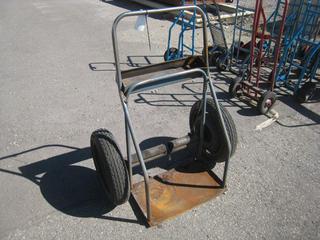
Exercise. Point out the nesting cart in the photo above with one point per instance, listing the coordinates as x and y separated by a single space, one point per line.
212 138
218 51
299 62
240 46
173 53
257 81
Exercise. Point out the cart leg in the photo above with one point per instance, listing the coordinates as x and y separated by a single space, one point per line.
140 158
128 143
226 165
203 117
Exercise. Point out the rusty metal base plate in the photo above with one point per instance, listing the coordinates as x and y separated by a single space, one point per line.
177 191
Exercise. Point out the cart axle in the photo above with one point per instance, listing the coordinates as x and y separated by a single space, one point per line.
162 150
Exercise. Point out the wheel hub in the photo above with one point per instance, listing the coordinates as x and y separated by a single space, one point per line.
268 103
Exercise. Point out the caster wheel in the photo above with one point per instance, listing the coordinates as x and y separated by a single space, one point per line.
222 62
214 57
172 55
266 102
214 54
110 165
306 92
235 87
215 146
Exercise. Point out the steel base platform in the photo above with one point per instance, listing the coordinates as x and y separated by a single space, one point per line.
178 190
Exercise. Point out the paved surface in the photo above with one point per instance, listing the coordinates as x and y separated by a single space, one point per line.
51 101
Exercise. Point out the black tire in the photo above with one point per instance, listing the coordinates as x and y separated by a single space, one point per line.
213 53
306 92
110 166
215 145
172 52
235 87
213 58
266 102
222 62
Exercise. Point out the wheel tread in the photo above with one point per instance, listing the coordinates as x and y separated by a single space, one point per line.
116 184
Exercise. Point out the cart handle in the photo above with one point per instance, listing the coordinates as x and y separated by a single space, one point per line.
170 78
153 11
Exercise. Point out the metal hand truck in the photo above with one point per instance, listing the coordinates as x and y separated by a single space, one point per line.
241 40
212 138
299 63
257 83
218 52
309 78
173 53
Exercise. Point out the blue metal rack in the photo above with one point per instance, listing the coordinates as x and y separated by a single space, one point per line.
299 61
218 52
177 53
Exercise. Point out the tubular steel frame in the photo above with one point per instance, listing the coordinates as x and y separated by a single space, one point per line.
185 25
191 24
262 57
236 65
305 21
162 81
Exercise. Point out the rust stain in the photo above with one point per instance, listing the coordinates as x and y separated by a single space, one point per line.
177 191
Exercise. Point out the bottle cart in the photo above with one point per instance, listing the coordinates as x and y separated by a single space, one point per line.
299 61
257 82
212 138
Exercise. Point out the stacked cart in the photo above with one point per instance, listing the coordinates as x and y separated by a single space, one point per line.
258 63
299 62
283 52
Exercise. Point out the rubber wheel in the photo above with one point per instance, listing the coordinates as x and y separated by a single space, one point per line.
215 145
305 92
172 54
214 56
222 62
110 166
266 102
235 87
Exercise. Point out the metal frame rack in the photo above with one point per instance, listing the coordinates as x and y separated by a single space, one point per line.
239 51
218 52
299 61
257 81
176 53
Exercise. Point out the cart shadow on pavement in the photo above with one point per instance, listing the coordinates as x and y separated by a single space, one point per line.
301 109
69 188
74 189
123 4
192 95
132 62
134 6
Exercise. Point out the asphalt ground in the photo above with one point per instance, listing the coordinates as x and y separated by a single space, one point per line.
57 86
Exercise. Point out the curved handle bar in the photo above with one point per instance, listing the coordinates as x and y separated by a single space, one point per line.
153 11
